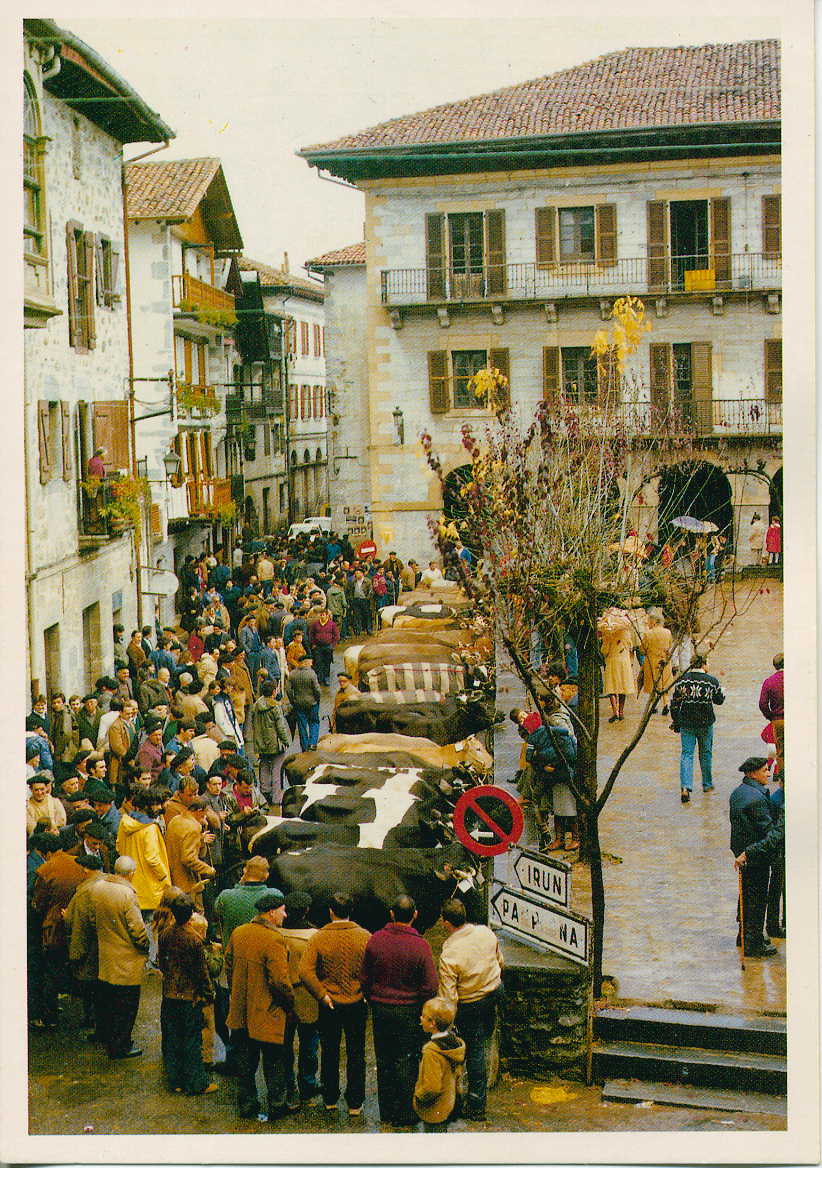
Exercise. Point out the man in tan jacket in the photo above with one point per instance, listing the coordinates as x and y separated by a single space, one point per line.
122 947
121 735
262 1002
296 932
184 843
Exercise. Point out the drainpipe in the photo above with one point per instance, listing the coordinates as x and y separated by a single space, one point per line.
138 574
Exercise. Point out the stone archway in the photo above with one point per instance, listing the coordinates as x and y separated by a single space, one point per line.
695 489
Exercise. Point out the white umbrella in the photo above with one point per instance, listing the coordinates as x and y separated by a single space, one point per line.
694 526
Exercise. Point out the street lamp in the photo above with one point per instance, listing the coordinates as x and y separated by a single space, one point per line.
399 426
172 463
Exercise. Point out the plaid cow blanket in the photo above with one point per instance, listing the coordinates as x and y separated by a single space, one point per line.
398 678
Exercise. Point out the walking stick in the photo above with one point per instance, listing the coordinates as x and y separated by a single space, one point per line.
741 920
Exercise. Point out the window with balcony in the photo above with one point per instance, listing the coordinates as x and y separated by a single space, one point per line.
576 234
465 254
689 244
571 375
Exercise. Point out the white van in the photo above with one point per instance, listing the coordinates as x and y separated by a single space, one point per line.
310 525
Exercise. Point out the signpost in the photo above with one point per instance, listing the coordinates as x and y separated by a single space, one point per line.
508 834
542 924
546 878
366 549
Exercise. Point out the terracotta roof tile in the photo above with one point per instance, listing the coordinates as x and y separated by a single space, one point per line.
272 277
169 189
345 256
631 88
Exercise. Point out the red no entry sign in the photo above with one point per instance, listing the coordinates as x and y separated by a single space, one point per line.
507 834
366 549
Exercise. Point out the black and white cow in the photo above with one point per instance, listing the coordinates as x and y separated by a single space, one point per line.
446 720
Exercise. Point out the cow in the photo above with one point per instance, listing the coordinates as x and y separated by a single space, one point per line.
471 752
298 767
374 878
427 715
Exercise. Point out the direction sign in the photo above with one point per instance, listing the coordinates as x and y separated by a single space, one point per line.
507 835
547 878
542 924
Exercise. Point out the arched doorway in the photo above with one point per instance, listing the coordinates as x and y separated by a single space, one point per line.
695 489
775 506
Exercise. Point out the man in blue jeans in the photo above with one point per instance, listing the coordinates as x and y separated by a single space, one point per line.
470 971
303 691
692 717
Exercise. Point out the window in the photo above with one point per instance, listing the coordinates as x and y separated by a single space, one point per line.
465 254
772 227
464 365
107 272
266 439
80 250
683 373
283 498
579 375
305 401
33 229
577 234
292 402
773 370
317 341
303 338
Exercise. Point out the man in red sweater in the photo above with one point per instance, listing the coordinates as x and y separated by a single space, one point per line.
398 976
772 705
323 635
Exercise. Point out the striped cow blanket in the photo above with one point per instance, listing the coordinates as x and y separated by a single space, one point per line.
428 675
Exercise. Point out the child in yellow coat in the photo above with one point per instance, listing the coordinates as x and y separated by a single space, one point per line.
436 1091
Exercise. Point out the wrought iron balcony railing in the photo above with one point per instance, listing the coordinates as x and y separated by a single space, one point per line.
723 416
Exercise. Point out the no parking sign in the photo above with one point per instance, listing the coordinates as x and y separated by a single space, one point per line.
507 833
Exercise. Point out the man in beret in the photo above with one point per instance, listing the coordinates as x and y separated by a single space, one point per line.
753 822
88 719
72 794
262 1003
101 799
82 942
150 751
93 841
43 806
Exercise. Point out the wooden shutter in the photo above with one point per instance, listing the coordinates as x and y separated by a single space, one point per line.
702 386
65 424
550 375
606 235
89 241
660 382
500 359
439 400
110 430
44 441
99 272
773 371
607 377
772 227
721 240
156 520
71 272
495 250
435 255
116 274
546 236
658 249
205 446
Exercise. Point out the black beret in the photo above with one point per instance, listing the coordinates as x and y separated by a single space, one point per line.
753 764
82 815
42 777
98 794
97 830
271 900
89 861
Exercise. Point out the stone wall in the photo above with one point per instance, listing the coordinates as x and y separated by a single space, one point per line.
544 1014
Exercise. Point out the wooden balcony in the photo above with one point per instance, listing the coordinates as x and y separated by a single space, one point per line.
666 275
193 295
208 495
196 401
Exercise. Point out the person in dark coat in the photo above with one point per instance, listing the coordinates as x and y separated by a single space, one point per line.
752 829
187 988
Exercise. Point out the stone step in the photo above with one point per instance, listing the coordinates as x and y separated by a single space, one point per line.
685 1027
691 1065
681 1095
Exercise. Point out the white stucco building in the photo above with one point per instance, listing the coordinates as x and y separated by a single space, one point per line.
498 232
80 559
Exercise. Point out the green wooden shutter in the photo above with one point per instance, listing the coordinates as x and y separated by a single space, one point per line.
65 424
546 236
435 255
550 375
721 240
661 356
658 250
500 359
71 273
702 386
606 235
773 371
438 381
495 250
772 227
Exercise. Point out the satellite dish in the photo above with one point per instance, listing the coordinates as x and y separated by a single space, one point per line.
160 582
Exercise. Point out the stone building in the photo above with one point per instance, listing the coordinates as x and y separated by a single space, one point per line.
499 230
80 555
183 238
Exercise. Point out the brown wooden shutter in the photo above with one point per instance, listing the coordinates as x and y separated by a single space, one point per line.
71 272
702 386
495 250
607 377
550 375
660 382
65 424
100 272
773 371
500 359
606 236
156 520
658 250
721 240
772 227
110 430
439 399
44 441
88 247
546 229
435 255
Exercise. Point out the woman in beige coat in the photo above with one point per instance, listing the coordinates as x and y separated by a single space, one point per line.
657 675
616 639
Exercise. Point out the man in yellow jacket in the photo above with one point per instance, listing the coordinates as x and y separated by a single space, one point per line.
140 838
185 841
